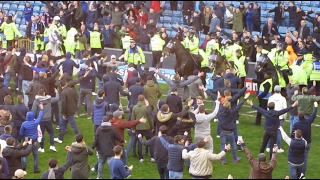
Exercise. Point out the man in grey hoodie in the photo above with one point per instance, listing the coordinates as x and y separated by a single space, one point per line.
202 127
46 123
181 85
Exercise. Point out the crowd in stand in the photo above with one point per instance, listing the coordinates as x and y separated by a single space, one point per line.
47 98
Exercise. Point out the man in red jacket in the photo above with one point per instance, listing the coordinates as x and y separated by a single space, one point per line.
120 125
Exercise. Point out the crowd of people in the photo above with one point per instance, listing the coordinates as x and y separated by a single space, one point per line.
163 127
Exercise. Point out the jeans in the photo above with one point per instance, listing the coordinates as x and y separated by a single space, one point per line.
46 125
35 156
63 126
102 160
306 153
175 175
228 138
148 134
279 137
145 47
235 131
268 135
132 143
250 27
163 171
85 93
295 171
8 77
124 157
293 119
55 112
25 86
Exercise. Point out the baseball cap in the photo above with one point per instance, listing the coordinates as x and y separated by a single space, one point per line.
277 88
113 56
117 113
19 173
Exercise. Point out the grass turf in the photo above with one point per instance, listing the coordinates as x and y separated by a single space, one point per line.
252 136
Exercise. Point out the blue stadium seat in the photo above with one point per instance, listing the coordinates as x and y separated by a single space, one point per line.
167 26
167 5
305 3
23 33
263 6
175 19
36 13
317 10
31 3
1 5
20 7
36 8
37 3
6 6
23 21
264 13
42 8
161 19
18 20
169 32
264 20
173 33
282 29
13 7
179 8
270 6
23 2
255 33
12 12
236 3
166 19
297 3
159 24
167 12
306 8
314 4
291 29
23 27
14 2
177 13
211 3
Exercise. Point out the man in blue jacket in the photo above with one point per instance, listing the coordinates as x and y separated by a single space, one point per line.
29 129
68 64
271 123
112 88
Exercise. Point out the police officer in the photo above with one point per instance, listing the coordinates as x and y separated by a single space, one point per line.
157 44
3 41
315 74
96 41
125 40
228 52
191 42
204 66
61 28
134 53
81 41
10 30
38 42
241 64
70 43
263 95
281 61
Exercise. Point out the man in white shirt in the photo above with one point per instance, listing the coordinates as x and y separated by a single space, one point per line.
279 104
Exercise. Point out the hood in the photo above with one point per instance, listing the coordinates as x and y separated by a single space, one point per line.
135 73
277 97
98 103
160 103
68 55
23 51
78 148
113 76
164 117
113 107
200 118
224 112
43 99
230 75
150 83
30 116
106 126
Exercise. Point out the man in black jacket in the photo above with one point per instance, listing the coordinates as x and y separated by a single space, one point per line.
278 14
187 7
69 102
105 140
112 88
4 91
160 152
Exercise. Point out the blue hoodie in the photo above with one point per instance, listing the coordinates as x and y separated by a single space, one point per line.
68 64
29 127
84 6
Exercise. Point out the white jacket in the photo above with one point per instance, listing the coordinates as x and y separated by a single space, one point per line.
279 103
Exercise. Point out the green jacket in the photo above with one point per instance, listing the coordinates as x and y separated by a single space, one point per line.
152 92
305 102
139 111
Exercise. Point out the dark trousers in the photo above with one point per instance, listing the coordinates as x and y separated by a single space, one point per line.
145 133
206 29
174 5
263 104
156 58
46 125
221 22
163 171
269 135
55 112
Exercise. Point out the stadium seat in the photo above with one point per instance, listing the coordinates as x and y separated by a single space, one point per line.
173 33
20 7
23 21
297 3
1 5
167 26
317 10
167 5
263 20
31 3
23 27
169 32
159 24
36 13
23 33
167 12
12 12
270 6
166 19
23 2
161 19
179 8
13 7
14 2
36 8
177 13
6 6
291 29
314 4
255 33
42 8
305 3
282 29
264 13
18 20
175 19
263 6
37 3
306 8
